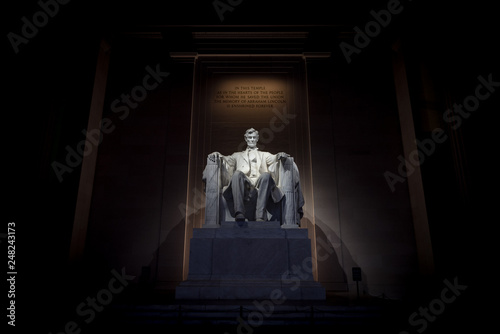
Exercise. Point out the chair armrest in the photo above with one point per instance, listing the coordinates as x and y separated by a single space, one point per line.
213 186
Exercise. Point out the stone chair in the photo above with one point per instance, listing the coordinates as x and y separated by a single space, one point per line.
286 176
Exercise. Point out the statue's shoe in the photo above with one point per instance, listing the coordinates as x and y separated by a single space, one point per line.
240 217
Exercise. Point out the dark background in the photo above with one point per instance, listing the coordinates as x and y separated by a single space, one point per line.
47 93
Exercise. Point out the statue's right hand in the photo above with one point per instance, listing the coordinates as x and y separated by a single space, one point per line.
214 156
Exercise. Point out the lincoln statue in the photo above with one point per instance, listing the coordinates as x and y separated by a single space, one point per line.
252 179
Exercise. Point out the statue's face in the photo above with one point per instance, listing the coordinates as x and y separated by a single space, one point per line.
252 139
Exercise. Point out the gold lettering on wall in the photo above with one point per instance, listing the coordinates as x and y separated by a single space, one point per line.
249 97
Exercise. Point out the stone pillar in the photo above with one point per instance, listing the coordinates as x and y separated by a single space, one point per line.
82 210
415 184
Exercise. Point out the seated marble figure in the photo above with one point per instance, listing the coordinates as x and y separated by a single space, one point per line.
255 185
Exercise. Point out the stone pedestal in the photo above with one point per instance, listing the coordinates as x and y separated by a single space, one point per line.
250 260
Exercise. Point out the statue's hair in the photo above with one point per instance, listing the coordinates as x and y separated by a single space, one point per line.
250 131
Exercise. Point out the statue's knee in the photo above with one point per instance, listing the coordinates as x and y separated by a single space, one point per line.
266 175
237 174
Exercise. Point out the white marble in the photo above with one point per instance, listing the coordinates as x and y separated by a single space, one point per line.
278 199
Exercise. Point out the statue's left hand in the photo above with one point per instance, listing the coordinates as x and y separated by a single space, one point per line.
282 156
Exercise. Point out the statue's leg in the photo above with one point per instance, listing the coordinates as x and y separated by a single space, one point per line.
264 185
238 189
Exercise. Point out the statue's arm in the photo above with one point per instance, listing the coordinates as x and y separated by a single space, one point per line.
226 167
273 163
214 156
273 158
282 156
227 159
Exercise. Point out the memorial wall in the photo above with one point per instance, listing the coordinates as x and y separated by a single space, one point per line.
340 124
249 100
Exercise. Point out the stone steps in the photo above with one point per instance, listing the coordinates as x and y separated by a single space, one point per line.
250 314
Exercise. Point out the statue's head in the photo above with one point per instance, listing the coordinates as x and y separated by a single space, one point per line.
252 137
